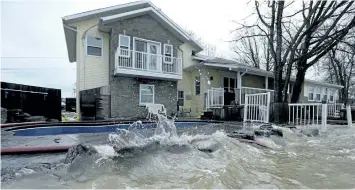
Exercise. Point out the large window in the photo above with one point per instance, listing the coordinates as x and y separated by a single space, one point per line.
146 94
94 46
197 85
181 98
124 44
168 53
229 84
311 93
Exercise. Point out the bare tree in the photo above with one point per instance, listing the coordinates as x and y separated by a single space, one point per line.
208 49
340 68
254 51
299 38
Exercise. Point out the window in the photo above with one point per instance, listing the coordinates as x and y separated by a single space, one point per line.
331 95
124 44
94 46
311 93
229 84
325 94
146 94
318 91
181 98
168 53
197 85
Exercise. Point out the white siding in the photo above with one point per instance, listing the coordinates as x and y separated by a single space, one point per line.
92 72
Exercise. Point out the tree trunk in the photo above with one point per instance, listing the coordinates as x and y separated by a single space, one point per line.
297 88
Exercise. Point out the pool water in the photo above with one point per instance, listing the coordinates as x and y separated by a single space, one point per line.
293 161
59 130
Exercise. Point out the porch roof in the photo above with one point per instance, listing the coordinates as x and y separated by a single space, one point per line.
230 65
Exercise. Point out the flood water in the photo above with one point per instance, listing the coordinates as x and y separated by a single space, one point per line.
292 161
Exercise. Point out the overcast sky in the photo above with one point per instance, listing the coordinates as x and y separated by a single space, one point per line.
33 49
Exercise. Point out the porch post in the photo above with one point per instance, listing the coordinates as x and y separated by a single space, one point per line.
239 80
266 82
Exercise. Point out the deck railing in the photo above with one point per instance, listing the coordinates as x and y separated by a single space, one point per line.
241 92
215 98
129 59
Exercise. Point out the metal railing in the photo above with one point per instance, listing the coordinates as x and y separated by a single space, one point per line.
334 109
215 98
241 92
129 59
304 113
257 107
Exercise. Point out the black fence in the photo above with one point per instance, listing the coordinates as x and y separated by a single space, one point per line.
70 104
36 101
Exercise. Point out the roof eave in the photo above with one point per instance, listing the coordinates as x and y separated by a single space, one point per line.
70 39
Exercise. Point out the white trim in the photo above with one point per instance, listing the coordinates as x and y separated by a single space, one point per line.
140 95
107 19
98 11
119 45
171 54
102 45
147 74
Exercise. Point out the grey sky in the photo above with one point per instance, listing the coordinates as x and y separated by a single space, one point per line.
33 47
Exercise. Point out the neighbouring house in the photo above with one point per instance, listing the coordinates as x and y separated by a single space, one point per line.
230 81
133 54
127 55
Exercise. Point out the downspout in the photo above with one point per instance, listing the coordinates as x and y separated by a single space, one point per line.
83 37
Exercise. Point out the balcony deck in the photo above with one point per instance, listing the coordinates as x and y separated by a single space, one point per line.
142 64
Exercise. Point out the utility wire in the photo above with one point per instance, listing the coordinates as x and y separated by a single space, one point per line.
34 57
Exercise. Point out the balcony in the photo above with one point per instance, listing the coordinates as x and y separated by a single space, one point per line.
142 64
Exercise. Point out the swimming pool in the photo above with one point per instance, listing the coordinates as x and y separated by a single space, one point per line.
61 130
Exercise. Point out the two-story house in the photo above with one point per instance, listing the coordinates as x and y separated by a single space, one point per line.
133 53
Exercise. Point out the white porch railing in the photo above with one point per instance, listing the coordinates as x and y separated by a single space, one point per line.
129 59
257 107
241 92
215 98
334 109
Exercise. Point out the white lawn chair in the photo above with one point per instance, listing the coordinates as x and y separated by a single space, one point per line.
155 109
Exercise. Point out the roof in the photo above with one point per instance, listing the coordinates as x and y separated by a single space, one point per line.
122 11
235 66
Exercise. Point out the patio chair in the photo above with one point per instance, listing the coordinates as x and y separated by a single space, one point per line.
154 109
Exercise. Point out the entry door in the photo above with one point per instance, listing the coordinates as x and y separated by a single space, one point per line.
153 51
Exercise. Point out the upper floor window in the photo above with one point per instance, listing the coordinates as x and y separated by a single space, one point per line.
124 44
94 46
168 53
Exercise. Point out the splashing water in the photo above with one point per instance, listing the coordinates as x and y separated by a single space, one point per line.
167 157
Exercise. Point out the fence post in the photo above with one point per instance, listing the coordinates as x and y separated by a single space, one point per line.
348 116
245 108
268 107
324 117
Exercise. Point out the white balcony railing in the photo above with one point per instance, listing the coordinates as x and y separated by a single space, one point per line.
142 61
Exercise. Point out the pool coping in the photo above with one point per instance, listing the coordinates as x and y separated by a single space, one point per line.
18 126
